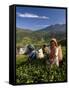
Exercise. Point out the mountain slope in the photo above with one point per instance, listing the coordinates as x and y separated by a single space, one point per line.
58 31
56 27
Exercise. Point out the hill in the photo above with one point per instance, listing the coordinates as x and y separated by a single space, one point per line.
58 31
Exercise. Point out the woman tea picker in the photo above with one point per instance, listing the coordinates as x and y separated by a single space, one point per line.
55 52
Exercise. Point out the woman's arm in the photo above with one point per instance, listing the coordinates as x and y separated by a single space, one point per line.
56 51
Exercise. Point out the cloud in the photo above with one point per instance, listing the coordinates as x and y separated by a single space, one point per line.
30 15
42 25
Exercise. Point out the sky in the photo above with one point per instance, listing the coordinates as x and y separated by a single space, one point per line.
37 18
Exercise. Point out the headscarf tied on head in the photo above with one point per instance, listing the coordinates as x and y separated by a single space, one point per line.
55 41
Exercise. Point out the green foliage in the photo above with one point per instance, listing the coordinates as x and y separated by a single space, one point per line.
43 35
62 42
38 71
20 59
